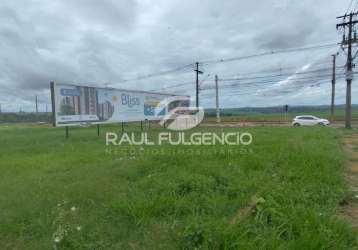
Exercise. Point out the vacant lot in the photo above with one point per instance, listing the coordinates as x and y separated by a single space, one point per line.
281 192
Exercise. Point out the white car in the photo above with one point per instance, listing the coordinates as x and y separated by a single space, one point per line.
309 120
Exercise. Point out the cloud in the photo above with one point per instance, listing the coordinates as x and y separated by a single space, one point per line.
97 42
288 29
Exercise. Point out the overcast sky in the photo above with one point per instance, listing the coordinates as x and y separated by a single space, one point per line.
103 42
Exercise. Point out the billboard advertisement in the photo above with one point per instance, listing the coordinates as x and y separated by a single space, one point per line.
76 105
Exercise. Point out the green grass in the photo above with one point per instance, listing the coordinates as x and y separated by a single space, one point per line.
171 197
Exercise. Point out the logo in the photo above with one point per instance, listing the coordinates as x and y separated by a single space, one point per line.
180 115
130 101
114 98
70 92
179 138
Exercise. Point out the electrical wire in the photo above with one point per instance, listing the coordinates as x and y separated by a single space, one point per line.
293 74
272 80
280 75
184 68
290 50
281 69
188 67
269 92
297 82
349 7
355 6
293 87
173 86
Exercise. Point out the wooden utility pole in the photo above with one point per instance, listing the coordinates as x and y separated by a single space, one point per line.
197 83
53 105
333 87
37 107
217 99
349 74
286 112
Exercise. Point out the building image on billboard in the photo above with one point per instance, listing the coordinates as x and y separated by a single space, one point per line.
88 102
79 101
105 111
68 105
105 105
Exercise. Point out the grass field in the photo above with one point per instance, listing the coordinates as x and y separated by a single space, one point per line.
281 192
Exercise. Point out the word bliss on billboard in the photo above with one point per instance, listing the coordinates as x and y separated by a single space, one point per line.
75 105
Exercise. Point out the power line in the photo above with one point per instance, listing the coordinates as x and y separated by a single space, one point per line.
355 6
269 91
188 67
249 89
173 86
279 75
295 79
250 78
349 6
280 69
290 50
161 73
260 85
298 81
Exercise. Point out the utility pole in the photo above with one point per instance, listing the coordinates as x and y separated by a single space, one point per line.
37 108
286 112
349 74
217 99
333 86
0 109
197 83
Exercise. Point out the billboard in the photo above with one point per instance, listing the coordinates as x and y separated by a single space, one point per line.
76 105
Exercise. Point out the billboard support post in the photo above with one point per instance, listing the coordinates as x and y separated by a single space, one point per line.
67 131
98 127
141 125
122 127
52 87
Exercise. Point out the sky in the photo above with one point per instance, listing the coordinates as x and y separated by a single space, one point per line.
105 43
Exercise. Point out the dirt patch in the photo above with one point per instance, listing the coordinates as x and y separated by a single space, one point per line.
354 168
245 124
351 214
349 208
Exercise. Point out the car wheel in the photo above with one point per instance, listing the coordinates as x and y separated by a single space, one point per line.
321 124
296 124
